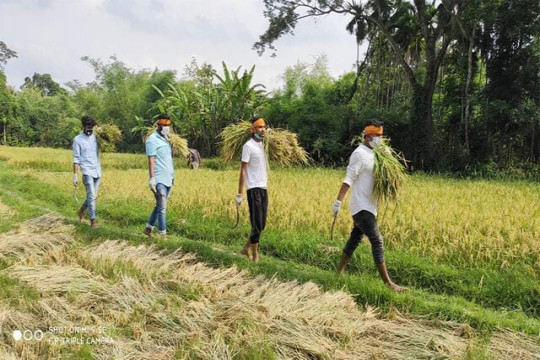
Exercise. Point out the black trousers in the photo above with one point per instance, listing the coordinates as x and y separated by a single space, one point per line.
258 208
366 224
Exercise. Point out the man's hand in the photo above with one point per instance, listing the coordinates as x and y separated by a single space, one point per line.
152 184
75 180
238 199
336 206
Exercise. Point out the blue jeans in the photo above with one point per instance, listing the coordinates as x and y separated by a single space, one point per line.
92 185
160 210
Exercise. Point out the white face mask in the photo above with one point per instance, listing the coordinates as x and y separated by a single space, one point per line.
375 141
165 130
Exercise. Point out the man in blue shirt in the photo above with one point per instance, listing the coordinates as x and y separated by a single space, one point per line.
86 157
160 173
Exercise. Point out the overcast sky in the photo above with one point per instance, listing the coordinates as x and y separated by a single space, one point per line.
51 36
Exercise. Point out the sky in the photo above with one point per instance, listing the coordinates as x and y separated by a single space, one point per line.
51 36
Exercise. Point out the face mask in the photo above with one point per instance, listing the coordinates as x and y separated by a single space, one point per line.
88 132
258 137
165 130
376 141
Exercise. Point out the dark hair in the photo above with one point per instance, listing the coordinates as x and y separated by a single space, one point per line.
164 116
374 122
88 120
255 118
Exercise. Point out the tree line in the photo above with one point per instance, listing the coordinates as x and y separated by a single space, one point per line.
456 83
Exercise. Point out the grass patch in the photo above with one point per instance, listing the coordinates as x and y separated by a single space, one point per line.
480 296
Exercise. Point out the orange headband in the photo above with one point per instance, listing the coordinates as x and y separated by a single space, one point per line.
165 122
259 122
256 124
373 130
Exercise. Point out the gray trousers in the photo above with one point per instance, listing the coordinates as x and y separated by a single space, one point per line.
366 224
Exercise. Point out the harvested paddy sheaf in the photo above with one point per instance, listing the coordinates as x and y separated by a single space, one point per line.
158 305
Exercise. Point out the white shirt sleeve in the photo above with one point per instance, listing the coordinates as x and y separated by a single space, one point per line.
246 153
76 152
356 165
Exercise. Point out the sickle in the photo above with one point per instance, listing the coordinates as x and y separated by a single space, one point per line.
237 216
332 228
75 194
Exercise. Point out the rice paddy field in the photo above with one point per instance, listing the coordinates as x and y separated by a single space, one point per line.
469 251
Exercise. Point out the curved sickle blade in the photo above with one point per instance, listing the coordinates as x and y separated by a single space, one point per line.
75 195
237 216
332 228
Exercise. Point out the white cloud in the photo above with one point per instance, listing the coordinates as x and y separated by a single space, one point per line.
50 36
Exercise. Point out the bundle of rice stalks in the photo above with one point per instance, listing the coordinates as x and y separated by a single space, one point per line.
390 173
280 145
233 138
178 143
108 136
283 148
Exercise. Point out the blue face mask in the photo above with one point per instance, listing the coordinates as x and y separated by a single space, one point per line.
258 137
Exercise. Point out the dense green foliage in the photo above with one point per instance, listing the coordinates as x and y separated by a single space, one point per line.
423 39
483 99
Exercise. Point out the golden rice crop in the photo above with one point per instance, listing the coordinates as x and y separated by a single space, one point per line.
461 221
62 160
280 145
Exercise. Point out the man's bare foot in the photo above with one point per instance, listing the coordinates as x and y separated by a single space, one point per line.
255 258
80 214
245 251
396 288
93 224
148 232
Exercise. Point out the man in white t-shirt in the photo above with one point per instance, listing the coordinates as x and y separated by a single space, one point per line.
363 205
254 173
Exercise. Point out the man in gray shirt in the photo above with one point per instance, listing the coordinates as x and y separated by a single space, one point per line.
86 157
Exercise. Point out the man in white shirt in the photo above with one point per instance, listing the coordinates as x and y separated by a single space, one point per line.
363 205
86 157
254 172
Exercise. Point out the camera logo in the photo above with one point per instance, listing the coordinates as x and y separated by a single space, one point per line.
28 335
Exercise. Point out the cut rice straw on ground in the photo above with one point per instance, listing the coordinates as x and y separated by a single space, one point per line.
175 306
35 237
